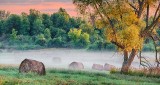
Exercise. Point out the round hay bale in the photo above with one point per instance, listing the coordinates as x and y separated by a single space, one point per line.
76 65
1 51
109 67
97 67
28 65
10 50
57 60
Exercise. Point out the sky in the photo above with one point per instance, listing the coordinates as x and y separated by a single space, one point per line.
45 6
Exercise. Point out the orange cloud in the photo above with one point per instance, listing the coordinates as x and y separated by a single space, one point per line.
45 7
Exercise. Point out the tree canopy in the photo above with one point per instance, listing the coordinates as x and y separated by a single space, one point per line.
126 22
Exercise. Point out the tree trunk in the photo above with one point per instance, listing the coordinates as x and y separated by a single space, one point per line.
127 61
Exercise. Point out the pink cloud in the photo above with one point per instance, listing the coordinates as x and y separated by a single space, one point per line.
45 7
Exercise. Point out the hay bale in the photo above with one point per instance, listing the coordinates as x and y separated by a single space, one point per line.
108 67
76 65
1 51
28 65
57 60
97 67
10 50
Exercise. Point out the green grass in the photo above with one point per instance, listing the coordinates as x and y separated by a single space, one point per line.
10 76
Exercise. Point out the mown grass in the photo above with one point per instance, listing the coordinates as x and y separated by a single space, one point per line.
11 76
155 72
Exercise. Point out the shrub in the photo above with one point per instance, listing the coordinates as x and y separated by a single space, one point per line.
85 39
87 28
57 42
13 35
25 39
113 70
78 39
148 47
47 34
41 40
110 46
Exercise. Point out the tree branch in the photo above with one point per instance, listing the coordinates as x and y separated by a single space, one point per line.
147 16
156 11
117 44
154 22
136 10
155 46
141 3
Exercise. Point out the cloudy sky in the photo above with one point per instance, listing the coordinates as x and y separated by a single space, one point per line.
46 6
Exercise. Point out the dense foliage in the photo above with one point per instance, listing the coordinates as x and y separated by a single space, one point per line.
127 23
39 30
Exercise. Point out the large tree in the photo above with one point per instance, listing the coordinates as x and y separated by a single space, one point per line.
61 19
46 20
35 19
127 23
13 21
25 26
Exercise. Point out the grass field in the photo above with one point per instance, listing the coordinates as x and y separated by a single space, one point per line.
11 76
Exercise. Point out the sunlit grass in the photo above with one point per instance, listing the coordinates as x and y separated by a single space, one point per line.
11 76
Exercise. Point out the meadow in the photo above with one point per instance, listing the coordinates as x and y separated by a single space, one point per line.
126 27
11 76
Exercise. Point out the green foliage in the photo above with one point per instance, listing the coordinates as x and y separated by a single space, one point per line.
59 38
33 16
148 47
74 34
13 21
40 39
1 27
76 22
25 39
58 42
61 32
40 30
61 19
38 27
25 26
53 31
46 20
98 41
13 35
85 38
78 39
47 34
101 44
87 28
56 30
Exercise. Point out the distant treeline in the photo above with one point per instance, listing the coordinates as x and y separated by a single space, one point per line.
34 30
39 30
